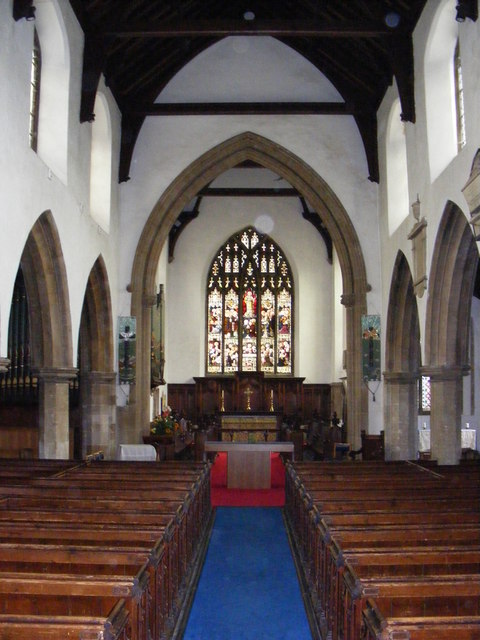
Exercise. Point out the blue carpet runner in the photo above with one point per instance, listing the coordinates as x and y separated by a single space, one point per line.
248 588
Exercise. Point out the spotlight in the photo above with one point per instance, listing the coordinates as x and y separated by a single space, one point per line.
392 19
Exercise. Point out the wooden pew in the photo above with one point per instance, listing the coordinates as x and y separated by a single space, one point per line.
376 626
342 512
37 508
66 594
405 596
82 560
47 627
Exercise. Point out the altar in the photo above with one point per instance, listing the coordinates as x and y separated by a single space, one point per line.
248 427
248 465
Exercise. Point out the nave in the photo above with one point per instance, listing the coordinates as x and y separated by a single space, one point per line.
248 588
103 549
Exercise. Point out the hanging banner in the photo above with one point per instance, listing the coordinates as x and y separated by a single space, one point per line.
127 349
371 364
157 363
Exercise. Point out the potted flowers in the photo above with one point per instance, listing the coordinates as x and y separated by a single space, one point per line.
164 424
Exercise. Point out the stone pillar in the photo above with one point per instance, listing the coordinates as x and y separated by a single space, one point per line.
98 413
53 437
401 413
337 398
446 413
357 394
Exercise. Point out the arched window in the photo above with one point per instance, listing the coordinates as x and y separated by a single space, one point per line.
440 98
249 307
35 91
397 169
101 164
459 103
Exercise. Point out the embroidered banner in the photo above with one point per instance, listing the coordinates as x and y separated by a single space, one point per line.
157 352
371 348
127 349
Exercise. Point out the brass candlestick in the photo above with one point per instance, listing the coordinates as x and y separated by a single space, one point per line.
248 392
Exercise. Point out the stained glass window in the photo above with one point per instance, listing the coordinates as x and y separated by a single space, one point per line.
425 394
249 307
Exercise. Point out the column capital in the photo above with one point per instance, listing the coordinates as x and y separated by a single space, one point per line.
401 377
100 377
347 299
55 374
4 364
445 372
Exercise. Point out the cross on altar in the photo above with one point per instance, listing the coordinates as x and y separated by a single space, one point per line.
248 392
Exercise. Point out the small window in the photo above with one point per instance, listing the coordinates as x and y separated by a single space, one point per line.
459 99
425 395
35 91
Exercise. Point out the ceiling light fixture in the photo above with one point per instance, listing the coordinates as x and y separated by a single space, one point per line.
249 15
392 19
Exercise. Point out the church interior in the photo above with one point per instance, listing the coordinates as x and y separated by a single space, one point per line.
241 231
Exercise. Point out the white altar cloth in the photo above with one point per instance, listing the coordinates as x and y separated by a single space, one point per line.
137 452
469 439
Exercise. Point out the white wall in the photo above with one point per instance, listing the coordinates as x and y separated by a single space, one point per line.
187 278
28 186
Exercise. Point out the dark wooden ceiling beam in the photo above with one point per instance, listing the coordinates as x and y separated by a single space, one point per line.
401 60
93 64
275 28
368 127
240 108
236 192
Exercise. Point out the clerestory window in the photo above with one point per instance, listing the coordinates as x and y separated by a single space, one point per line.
35 91
459 100
249 307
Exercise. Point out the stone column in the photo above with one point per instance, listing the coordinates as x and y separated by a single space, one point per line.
401 413
357 395
98 413
53 437
446 413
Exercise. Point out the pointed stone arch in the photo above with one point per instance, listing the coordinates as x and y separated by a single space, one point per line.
403 360
96 333
452 279
46 285
268 154
45 276
97 376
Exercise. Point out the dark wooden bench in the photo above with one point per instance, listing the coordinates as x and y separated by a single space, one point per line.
145 513
350 511
375 626
48 627
427 595
67 595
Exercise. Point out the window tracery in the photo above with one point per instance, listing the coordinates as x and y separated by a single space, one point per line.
249 307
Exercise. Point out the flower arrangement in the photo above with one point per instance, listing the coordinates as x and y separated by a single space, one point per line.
164 424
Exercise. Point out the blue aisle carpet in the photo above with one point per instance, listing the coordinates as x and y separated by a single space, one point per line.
248 589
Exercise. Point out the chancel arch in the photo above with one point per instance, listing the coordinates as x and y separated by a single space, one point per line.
452 280
264 152
403 360
96 367
46 287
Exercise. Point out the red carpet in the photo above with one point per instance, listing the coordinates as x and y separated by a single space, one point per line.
223 497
